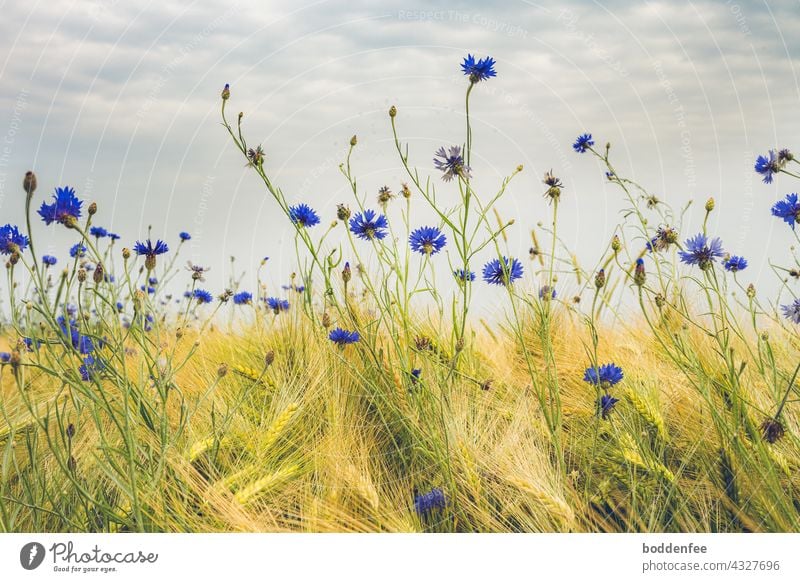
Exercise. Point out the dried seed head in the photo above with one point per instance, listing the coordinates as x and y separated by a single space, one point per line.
353 141
269 357
342 212
126 253
393 111
222 370
92 210
709 205
98 274
81 275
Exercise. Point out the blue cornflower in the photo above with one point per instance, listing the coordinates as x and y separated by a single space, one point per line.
606 375
243 298
66 208
415 374
767 166
150 290
479 70
120 306
735 263
701 252
303 215
49 260
606 404
428 502
277 305
342 337
427 240
506 273
5 357
369 225
451 163
461 277
150 251
113 236
788 210
98 231
792 311
184 236
12 240
546 293
583 143
152 281
90 368
77 251
202 296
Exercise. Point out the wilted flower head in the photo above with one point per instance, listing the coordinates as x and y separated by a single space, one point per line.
12 240
451 163
583 143
788 209
701 252
427 240
792 311
65 209
605 376
384 195
256 156
554 190
479 70
505 273
369 225
665 236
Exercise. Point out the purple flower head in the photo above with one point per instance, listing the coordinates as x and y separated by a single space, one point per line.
369 225
451 163
427 240
701 252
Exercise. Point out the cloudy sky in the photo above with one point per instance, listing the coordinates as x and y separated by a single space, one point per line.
121 101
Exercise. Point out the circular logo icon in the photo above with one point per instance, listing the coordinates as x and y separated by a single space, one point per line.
31 555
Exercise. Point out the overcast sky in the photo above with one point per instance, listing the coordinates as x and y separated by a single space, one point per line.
121 101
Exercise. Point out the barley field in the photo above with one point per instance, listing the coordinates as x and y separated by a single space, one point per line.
651 391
